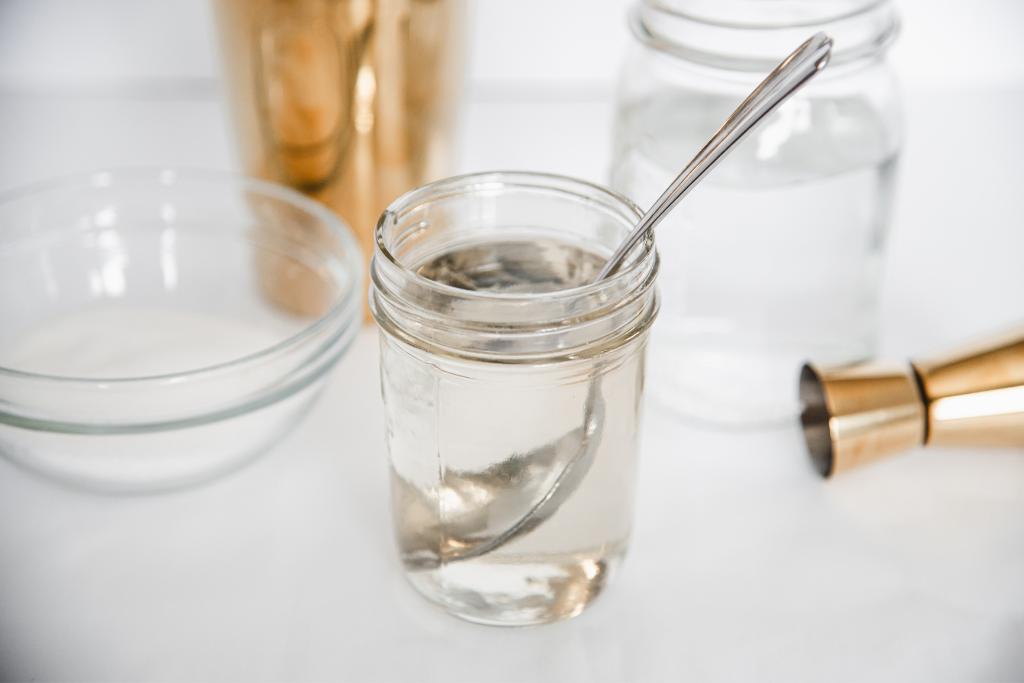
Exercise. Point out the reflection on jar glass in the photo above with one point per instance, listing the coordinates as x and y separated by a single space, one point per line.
775 258
512 389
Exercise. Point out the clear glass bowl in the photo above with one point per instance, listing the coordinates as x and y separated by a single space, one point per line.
161 327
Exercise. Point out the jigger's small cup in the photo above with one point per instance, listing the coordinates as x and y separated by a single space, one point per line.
511 416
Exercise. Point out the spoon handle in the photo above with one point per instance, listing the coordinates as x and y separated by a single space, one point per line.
783 81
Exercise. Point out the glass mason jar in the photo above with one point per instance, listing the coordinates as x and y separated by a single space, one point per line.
775 258
512 389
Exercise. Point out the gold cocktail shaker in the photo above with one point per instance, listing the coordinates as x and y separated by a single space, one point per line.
352 102
973 396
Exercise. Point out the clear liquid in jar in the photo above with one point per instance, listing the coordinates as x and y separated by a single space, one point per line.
773 260
461 432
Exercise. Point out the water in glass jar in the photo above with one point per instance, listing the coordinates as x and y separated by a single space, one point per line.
477 448
772 260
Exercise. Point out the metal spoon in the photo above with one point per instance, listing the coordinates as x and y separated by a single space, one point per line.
475 512
795 70
484 510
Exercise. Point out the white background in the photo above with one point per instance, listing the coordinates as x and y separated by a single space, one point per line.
744 565
528 44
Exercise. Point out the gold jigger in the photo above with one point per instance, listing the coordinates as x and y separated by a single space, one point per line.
973 396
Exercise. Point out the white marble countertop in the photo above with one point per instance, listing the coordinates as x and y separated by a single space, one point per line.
744 564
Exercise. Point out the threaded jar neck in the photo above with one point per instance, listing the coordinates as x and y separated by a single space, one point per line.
753 35
510 326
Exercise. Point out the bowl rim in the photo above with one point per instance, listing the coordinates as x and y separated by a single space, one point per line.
345 308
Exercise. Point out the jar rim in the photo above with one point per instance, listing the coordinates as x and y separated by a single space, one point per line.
860 29
511 326
481 180
863 7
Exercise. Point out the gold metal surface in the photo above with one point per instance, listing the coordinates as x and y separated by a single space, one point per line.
352 102
859 413
975 394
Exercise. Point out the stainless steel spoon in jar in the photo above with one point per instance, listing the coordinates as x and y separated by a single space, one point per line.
484 510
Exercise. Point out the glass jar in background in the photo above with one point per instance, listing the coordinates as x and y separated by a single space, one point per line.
512 389
775 257
352 102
